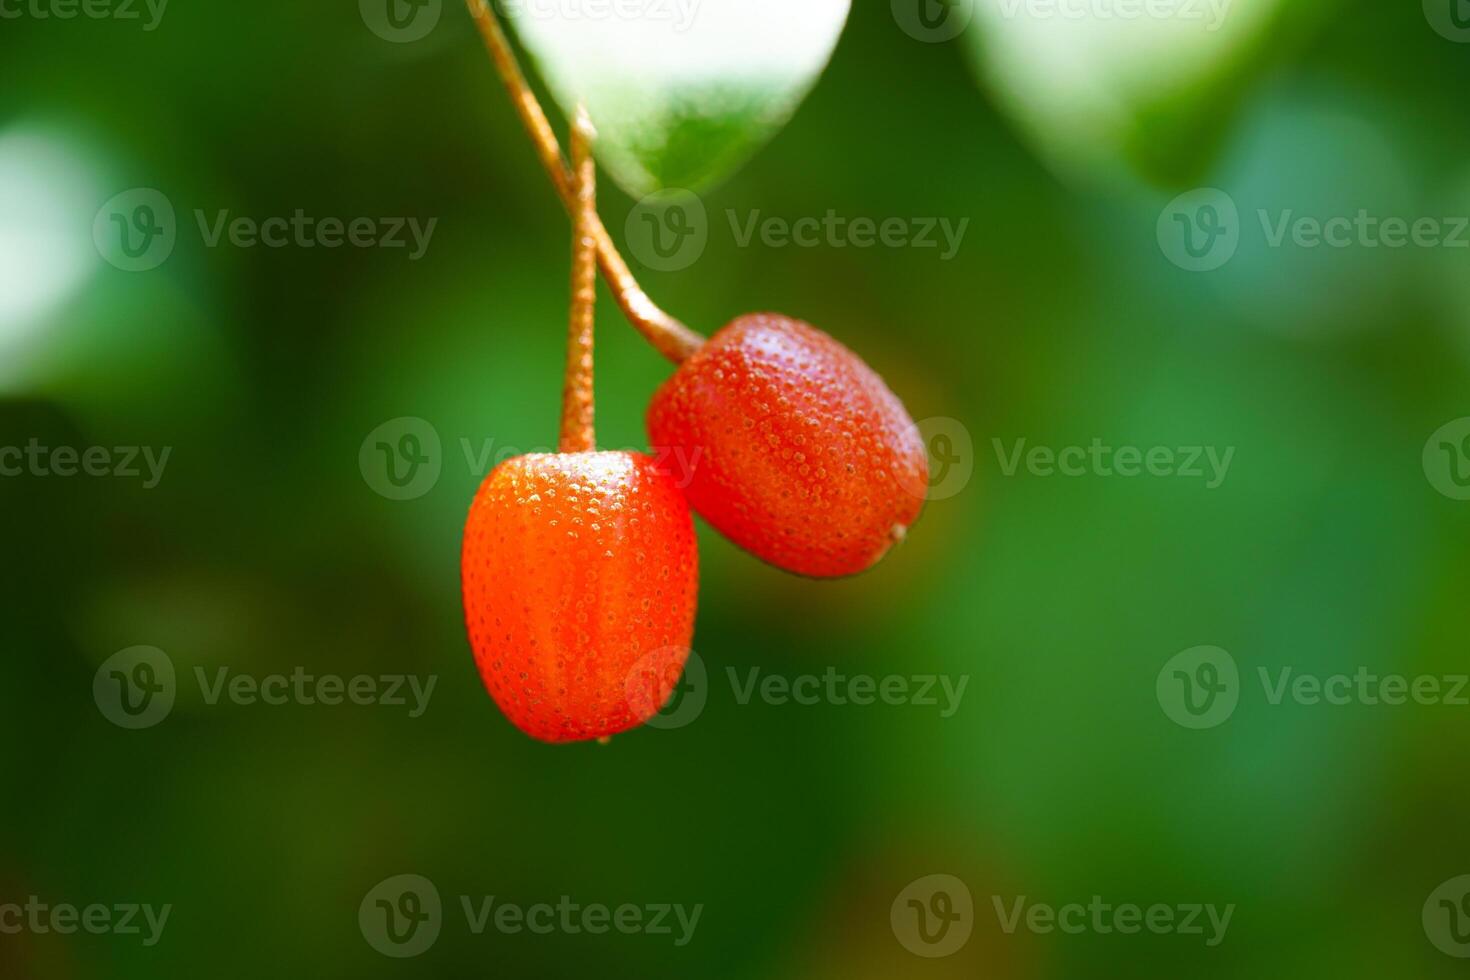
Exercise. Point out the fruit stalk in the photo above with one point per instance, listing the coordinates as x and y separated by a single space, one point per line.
668 335
578 434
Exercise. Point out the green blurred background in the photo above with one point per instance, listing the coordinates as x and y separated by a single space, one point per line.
265 548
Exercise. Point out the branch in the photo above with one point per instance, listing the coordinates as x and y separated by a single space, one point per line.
668 335
577 432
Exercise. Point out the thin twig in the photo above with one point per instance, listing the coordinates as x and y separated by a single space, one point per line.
667 334
578 434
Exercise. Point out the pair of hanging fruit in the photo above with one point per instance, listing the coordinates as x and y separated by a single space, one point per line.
580 569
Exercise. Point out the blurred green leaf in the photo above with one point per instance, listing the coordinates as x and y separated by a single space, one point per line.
1151 92
682 93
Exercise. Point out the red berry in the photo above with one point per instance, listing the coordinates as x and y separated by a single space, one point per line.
580 575
797 451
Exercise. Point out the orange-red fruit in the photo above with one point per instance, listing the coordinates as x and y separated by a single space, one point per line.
580 574
792 447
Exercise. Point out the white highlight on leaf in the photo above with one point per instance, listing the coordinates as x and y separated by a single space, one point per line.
684 41
1077 72
47 200
643 65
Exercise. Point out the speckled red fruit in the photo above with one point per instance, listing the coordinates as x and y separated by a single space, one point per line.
580 576
795 449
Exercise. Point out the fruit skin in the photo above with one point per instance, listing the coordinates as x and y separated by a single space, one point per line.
804 457
580 576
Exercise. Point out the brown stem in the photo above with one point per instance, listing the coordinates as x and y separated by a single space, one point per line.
668 335
577 432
